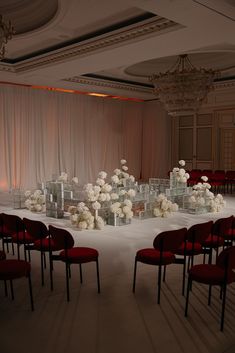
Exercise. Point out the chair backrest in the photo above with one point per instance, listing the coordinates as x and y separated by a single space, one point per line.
226 260
170 240
223 226
12 224
36 229
199 232
62 239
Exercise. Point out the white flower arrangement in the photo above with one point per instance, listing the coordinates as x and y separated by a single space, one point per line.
180 174
99 192
203 197
163 207
122 209
35 201
121 176
82 218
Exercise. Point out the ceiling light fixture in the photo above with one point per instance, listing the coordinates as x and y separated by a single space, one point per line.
183 88
6 32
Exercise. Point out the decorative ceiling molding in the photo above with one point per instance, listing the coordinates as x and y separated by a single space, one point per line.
154 26
224 84
109 84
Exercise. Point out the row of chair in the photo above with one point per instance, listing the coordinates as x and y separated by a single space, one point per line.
219 179
34 235
175 246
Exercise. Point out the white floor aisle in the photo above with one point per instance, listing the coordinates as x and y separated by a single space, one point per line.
116 320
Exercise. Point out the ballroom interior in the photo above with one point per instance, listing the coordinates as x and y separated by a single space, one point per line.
77 95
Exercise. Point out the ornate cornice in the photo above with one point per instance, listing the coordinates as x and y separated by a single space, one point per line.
109 84
224 84
134 32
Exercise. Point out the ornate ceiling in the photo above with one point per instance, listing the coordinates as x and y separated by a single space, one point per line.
112 47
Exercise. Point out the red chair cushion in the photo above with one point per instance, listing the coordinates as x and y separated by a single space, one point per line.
152 256
191 249
213 241
2 255
209 274
22 238
43 245
79 255
11 269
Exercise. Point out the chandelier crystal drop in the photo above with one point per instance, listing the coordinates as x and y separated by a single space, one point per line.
183 88
6 33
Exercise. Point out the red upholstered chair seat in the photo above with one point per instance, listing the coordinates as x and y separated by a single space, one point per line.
208 274
213 241
22 238
79 255
43 244
11 269
151 256
190 249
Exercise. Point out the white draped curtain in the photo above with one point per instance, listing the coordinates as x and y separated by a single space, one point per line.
47 132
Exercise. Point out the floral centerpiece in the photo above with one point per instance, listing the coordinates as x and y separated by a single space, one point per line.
121 175
35 201
82 218
163 207
179 173
122 209
202 197
99 193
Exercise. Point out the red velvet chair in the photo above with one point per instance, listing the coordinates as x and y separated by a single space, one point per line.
165 245
36 233
6 238
72 255
224 228
13 228
13 269
196 235
220 274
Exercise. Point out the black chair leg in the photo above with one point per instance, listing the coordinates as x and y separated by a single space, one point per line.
223 308
12 247
69 270
80 270
187 297
31 293
98 275
67 280
51 269
134 277
42 269
184 274
209 294
18 251
159 283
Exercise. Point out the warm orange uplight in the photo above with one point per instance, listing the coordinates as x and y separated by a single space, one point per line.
98 94
3 184
65 90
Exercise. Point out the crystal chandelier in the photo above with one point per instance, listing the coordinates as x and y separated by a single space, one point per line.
6 32
183 87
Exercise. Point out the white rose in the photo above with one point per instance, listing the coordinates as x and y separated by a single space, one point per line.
82 225
125 168
75 180
182 163
96 205
117 171
115 179
204 178
123 161
114 196
100 182
102 175
131 193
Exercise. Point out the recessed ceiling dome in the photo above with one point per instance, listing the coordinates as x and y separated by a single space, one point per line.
28 15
